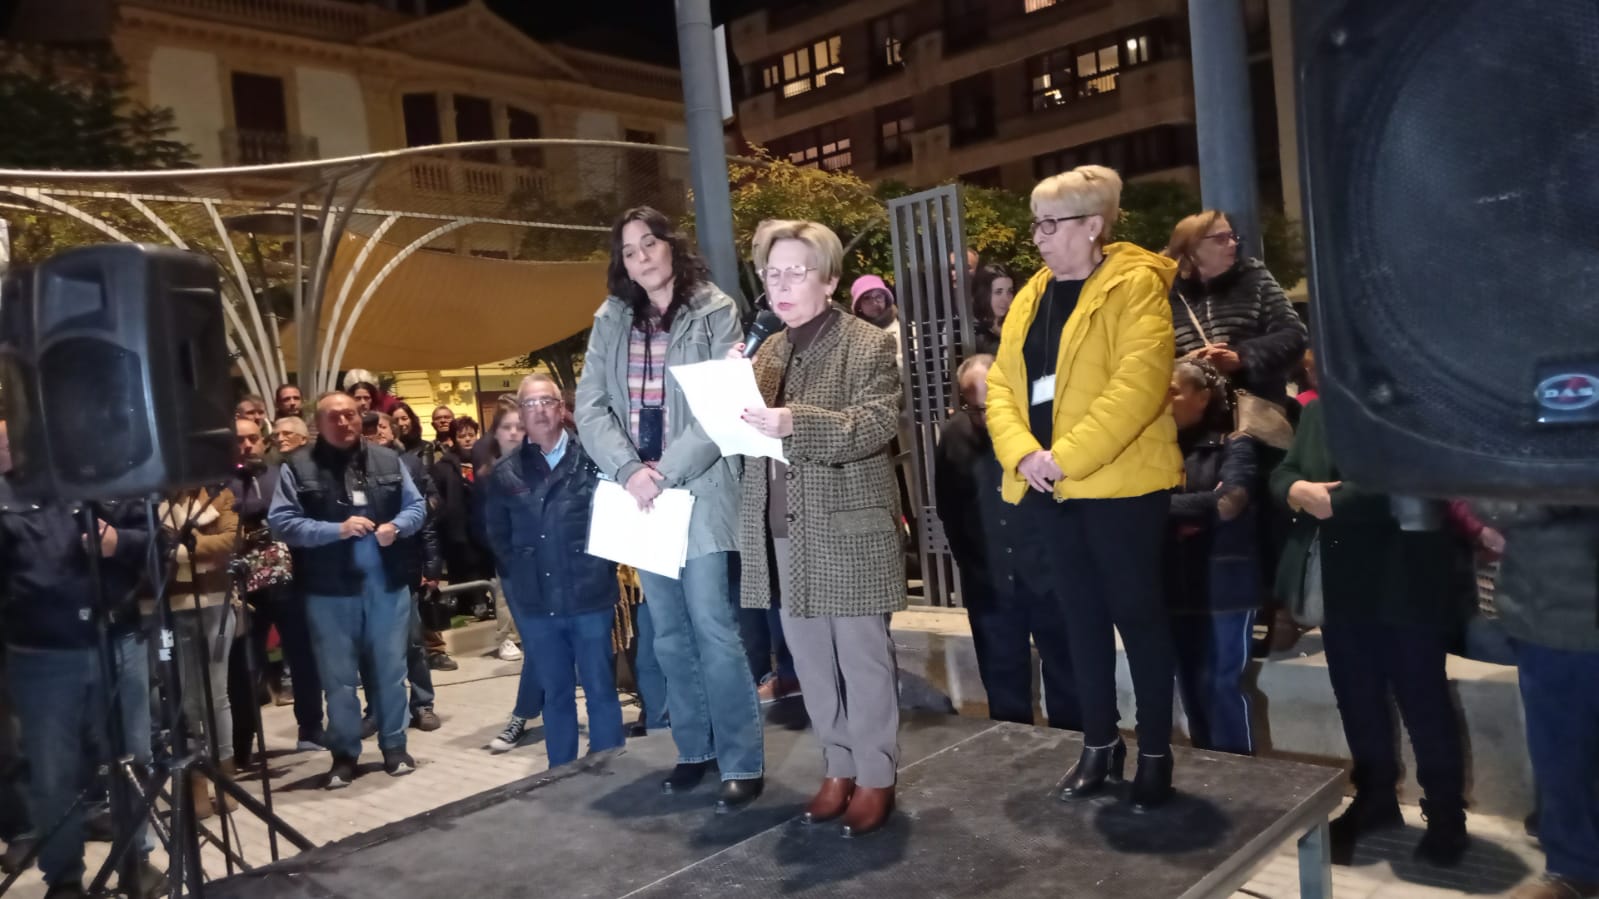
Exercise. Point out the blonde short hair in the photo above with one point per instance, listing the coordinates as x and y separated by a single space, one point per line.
1088 190
826 250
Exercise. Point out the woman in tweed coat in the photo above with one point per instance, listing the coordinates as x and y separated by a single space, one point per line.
824 529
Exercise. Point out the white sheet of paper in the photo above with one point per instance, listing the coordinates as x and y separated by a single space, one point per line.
655 541
718 392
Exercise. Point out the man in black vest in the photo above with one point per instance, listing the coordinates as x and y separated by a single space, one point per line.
342 506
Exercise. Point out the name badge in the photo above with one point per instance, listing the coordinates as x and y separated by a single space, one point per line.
1044 390
357 497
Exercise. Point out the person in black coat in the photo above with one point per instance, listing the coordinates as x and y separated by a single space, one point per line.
1003 604
1213 577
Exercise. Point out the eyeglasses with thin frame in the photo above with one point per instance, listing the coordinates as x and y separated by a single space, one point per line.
792 276
1049 224
539 402
1225 237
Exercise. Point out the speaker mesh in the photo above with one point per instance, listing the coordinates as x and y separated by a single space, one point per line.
1454 159
97 424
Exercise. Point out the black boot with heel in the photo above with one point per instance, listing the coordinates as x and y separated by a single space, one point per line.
1094 767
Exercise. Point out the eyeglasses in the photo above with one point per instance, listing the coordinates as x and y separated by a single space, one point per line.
786 277
539 402
1048 225
1226 237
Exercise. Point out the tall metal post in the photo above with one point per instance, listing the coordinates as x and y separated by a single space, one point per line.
1223 113
713 205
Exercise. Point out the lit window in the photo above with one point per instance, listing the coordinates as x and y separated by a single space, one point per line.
804 69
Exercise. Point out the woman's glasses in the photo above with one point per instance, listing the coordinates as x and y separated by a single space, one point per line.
1225 238
786 277
1049 225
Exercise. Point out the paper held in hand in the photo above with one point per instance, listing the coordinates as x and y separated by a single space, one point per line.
655 541
718 392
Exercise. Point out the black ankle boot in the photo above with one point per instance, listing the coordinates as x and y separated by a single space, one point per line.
738 793
1093 768
1366 814
686 776
1152 783
1445 842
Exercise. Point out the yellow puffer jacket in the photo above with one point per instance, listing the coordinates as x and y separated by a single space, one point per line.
1113 436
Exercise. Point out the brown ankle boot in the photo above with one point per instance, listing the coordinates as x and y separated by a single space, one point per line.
868 809
230 770
830 800
199 797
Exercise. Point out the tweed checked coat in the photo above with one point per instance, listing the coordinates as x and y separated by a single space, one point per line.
845 558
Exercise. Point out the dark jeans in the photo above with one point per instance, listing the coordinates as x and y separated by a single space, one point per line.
283 607
762 632
1368 662
1104 556
569 649
61 702
416 661
647 671
1006 625
13 768
1558 691
1212 653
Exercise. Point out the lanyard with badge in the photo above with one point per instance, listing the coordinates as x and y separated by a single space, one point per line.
1044 385
651 419
358 498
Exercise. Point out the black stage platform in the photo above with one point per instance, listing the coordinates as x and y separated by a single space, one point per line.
975 818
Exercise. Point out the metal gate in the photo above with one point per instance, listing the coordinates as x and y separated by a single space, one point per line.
931 283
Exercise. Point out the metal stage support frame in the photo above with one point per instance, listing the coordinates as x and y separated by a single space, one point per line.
936 327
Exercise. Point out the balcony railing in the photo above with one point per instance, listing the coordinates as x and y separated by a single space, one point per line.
245 147
314 18
477 179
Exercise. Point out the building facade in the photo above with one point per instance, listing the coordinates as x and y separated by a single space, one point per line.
994 92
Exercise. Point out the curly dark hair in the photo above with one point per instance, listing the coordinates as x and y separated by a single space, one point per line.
982 288
689 270
412 439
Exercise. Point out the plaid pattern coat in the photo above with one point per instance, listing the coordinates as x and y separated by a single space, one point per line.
843 504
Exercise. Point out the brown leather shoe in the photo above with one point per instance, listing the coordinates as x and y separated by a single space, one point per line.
868 809
1553 886
830 800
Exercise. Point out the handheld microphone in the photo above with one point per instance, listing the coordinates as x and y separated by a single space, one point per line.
765 325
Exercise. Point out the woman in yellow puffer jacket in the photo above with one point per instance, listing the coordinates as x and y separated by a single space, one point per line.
1077 409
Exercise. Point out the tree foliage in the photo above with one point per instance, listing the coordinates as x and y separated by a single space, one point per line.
74 111
563 360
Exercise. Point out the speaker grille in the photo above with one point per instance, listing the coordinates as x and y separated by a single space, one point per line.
1452 150
97 425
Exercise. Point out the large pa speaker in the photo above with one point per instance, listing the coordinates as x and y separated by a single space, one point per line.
1450 161
115 370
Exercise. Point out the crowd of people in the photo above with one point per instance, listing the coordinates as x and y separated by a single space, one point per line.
1138 450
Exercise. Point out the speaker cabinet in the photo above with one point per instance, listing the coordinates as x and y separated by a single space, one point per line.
1450 163
116 372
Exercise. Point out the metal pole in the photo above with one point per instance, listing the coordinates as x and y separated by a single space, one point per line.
1223 115
702 108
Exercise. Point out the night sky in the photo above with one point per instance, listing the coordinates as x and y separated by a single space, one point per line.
646 29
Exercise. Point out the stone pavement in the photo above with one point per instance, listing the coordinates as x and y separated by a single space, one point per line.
475 701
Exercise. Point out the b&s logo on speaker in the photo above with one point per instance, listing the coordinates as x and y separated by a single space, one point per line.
1570 392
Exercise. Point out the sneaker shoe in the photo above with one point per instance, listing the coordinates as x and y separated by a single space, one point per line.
509 651
772 688
441 661
311 740
398 762
1364 815
510 737
425 719
342 774
65 889
369 727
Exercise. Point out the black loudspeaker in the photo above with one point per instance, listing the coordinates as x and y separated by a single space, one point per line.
116 373
1450 161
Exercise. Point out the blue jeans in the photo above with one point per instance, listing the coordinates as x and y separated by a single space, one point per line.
529 692
709 693
1557 691
647 671
1212 653
61 703
764 644
568 649
350 634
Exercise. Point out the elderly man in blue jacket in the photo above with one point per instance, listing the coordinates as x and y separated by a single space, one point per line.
563 599
343 506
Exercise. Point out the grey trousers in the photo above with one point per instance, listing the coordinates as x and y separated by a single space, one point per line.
849 681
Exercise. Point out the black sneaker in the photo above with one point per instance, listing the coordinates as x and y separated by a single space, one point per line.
311 740
441 661
369 727
342 774
398 762
510 737
1364 815
65 889
1445 842
425 719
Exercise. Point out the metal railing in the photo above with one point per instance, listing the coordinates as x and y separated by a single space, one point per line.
241 146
